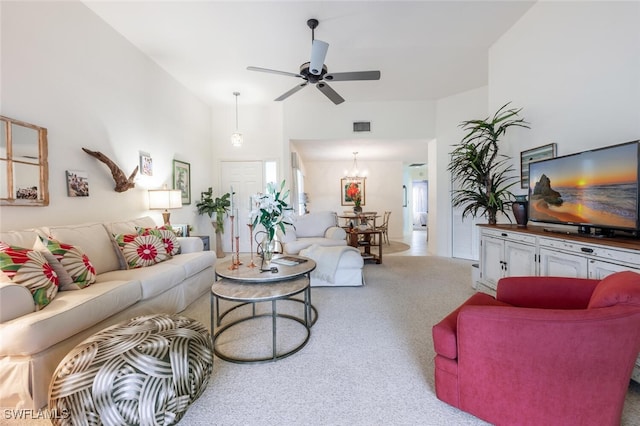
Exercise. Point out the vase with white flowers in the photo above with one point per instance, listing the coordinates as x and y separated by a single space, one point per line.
269 210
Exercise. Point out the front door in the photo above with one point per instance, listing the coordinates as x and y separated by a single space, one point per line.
246 178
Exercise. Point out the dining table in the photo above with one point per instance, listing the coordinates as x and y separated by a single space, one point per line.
357 219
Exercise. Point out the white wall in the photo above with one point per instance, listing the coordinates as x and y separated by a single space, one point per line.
451 111
575 69
383 189
65 69
389 120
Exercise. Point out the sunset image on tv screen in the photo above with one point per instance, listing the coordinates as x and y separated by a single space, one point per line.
597 188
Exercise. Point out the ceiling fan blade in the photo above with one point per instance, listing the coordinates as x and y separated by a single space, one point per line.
354 75
291 92
290 74
318 54
330 93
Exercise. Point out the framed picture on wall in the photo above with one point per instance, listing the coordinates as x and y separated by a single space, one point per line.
146 164
181 230
345 184
536 154
77 183
182 179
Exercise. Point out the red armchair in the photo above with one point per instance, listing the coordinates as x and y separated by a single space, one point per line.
545 351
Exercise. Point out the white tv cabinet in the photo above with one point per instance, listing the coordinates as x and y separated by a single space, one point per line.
509 250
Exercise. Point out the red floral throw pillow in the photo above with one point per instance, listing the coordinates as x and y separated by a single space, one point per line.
29 268
166 234
141 250
75 263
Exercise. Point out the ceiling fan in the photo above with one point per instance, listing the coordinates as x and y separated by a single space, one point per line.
315 71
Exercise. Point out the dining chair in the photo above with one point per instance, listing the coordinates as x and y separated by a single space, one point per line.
385 226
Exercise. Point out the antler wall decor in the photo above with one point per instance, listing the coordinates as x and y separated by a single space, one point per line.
122 182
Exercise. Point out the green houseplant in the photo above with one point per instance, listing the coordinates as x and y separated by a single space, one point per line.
219 206
482 177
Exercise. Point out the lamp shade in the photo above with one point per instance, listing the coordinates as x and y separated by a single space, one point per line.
160 199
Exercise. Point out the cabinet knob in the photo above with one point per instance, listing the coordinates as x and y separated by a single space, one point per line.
586 250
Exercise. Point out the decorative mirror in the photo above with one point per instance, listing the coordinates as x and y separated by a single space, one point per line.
24 172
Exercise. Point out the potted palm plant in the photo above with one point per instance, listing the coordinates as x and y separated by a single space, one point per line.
483 177
219 206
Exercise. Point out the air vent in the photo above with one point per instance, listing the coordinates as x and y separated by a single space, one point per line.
361 126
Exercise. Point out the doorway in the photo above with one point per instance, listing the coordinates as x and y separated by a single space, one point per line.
420 204
246 178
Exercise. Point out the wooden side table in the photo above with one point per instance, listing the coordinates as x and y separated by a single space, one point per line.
364 240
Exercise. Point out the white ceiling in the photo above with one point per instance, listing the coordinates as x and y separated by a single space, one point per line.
425 50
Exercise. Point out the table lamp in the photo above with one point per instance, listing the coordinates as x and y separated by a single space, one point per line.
164 199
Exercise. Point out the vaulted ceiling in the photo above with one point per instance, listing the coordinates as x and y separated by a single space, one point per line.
425 50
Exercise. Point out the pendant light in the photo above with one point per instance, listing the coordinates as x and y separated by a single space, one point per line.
236 137
354 173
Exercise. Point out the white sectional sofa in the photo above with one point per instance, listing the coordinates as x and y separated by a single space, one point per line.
319 228
32 342
318 236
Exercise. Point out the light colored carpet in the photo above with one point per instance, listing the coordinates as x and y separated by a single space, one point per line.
369 360
394 247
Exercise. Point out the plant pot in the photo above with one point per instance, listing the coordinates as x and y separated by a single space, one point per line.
219 252
520 209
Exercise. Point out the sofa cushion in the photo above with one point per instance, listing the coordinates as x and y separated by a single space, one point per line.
192 263
314 224
26 238
152 281
29 268
618 288
68 314
95 241
168 237
77 269
126 227
302 243
142 250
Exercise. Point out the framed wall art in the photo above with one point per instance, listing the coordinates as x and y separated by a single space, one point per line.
77 183
182 179
345 199
181 230
536 154
146 164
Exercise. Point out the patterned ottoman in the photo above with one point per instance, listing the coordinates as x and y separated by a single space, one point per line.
147 370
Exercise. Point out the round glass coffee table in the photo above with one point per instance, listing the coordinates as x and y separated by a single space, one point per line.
248 286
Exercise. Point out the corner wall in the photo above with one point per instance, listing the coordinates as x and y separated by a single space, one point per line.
574 68
65 69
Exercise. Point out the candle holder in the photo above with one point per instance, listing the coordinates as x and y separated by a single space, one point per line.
251 264
237 262
233 263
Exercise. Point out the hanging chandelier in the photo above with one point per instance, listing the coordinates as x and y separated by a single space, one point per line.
355 173
236 137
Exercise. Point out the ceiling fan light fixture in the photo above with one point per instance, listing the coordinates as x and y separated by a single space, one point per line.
318 54
315 71
236 137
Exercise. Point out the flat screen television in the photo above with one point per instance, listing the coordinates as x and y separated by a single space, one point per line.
592 189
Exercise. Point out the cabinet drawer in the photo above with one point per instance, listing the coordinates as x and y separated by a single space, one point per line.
516 236
592 251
